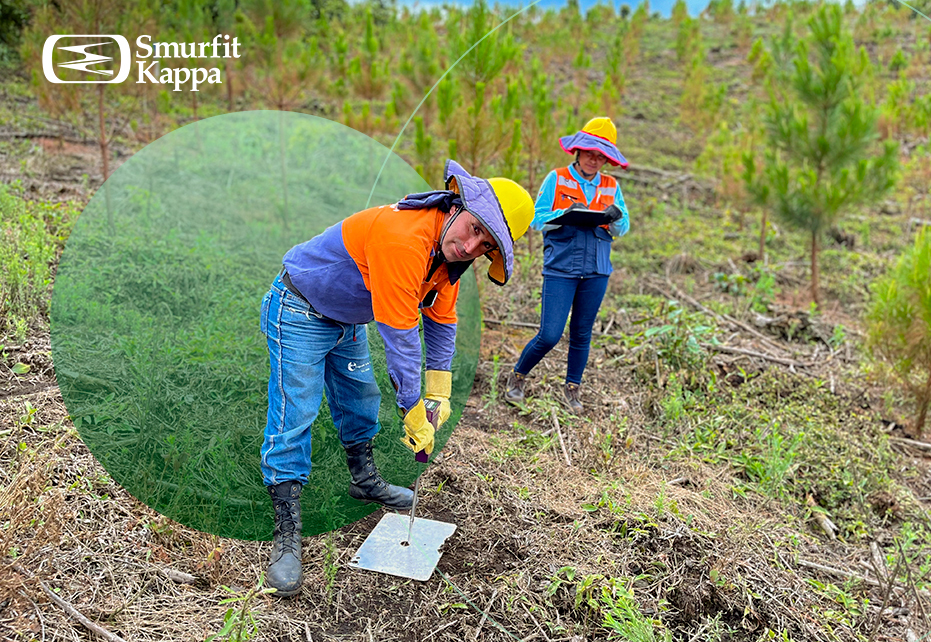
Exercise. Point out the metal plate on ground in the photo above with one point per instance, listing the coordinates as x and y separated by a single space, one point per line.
385 550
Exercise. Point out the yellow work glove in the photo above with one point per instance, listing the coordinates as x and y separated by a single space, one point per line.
439 387
418 432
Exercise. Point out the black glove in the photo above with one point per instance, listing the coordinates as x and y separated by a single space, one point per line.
613 213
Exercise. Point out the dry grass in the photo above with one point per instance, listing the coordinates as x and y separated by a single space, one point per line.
694 555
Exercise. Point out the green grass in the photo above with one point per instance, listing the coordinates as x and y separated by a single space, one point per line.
789 437
33 234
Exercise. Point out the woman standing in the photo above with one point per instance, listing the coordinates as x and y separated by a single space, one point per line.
576 260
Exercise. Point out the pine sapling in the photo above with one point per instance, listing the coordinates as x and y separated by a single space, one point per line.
821 155
900 324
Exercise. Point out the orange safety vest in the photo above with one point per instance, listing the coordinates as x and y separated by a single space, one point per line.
392 251
568 191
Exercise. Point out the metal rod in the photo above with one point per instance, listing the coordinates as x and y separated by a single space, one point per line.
410 526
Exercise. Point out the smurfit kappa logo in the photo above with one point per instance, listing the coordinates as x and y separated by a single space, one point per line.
92 59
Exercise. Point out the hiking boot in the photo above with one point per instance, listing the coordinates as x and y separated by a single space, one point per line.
572 398
284 564
515 391
367 483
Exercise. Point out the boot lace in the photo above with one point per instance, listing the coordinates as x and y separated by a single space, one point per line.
372 470
286 525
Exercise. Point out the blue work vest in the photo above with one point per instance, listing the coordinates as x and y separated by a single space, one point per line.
577 251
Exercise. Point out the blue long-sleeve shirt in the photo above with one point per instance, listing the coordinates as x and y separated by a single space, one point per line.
576 251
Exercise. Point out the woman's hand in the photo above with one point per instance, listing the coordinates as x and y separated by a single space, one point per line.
613 213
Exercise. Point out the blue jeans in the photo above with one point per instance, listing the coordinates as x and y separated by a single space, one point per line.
310 353
583 295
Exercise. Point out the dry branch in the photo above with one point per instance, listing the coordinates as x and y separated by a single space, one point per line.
836 572
179 577
562 444
38 613
759 355
920 445
73 612
879 566
535 621
481 623
878 561
70 610
823 520
445 626
518 324
911 582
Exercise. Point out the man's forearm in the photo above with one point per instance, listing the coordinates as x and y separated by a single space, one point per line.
440 339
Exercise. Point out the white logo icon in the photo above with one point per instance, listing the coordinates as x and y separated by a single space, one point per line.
362 367
90 58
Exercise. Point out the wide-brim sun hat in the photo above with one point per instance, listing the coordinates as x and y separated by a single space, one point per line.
503 207
598 135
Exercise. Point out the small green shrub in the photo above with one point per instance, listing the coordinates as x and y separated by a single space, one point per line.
623 618
239 621
678 341
899 61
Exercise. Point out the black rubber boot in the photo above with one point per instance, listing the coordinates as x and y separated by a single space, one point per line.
572 398
367 483
285 572
515 391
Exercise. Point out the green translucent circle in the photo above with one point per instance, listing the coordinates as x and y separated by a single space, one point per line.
155 315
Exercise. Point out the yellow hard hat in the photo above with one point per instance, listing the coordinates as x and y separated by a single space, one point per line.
515 203
602 127
598 135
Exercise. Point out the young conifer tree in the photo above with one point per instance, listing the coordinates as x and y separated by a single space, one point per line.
822 157
447 100
283 65
510 166
640 18
688 40
423 152
900 324
680 13
282 62
225 23
616 59
539 119
491 55
580 64
369 70
481 134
